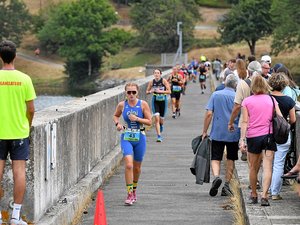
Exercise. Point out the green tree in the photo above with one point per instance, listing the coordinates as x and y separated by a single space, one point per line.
14 20
286 16
248 21
81 32
156 21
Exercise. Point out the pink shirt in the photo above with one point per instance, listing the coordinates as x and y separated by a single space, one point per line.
260 111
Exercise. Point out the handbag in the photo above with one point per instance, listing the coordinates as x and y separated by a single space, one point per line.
281 128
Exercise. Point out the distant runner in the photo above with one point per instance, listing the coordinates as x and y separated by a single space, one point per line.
160 88
176 81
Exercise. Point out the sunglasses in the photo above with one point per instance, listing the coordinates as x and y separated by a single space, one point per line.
131 92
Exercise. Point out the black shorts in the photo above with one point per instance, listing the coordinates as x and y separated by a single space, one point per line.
257 144
18 149
202 80
217 150
159 107
176 95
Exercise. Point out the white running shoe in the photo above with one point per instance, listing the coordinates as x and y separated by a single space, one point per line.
14 221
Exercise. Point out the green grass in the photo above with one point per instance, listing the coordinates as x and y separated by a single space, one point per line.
130 58
214 3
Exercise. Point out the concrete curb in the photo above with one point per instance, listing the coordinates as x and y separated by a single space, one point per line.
72 205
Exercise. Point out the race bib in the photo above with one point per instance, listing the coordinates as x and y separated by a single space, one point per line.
176 88
132 135
202 77
160 97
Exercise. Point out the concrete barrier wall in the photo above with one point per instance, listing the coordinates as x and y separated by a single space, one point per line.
85 135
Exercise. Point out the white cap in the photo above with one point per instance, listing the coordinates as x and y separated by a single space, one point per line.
266 58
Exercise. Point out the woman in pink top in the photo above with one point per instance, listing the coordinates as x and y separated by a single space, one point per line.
256 126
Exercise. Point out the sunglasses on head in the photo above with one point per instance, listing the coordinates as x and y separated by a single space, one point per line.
131 92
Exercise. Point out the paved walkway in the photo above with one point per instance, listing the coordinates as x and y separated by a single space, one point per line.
167 193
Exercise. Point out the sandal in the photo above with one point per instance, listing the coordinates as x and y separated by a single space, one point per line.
290 175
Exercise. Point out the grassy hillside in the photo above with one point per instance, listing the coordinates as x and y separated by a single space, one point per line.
131 61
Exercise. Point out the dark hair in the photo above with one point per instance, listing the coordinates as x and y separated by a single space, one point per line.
286 71
8 51
251 58
158 70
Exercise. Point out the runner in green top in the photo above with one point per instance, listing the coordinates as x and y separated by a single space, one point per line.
16 114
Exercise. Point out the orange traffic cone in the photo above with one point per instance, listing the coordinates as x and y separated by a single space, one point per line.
100 216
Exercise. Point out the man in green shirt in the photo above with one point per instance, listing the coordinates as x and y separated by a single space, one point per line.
16 114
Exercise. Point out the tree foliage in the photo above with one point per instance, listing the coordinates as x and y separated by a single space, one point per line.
248 21
81 32
286 16
156 21
14 20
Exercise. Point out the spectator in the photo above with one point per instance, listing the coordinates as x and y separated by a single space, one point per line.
257 128
16 97
291 89
242 92
37 52
265 70
218 111
278 82
241 70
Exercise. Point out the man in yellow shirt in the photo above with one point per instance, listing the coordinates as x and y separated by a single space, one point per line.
16 114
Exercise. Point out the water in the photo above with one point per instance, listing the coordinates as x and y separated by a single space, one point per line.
45 101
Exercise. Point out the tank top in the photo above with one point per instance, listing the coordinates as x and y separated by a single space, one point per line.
175 77
158 85
136 110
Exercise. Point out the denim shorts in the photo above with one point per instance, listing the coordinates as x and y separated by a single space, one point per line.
18 149
257 144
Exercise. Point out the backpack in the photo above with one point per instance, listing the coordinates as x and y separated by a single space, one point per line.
281 128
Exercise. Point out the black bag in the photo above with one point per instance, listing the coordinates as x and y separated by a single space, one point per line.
281 128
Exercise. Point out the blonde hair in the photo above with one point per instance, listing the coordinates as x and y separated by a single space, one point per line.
132 85
259 85
278 81
241 68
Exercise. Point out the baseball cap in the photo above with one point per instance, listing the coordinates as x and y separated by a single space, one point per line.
266 58
254 66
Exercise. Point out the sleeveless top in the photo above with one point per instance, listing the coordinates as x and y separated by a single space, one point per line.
175 77
158 85
136 110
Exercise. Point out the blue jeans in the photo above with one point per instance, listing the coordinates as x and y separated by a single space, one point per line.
278 166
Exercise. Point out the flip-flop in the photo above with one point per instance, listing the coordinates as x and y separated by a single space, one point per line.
290 175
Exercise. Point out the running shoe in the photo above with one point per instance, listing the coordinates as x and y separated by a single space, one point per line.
174 116
202 92
226 191
159 138
129 200
215 186
134 199
161 128
14 221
